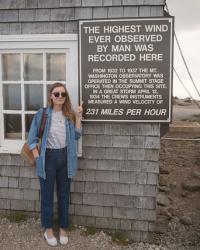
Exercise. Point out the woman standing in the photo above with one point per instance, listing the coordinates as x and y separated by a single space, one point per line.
56 161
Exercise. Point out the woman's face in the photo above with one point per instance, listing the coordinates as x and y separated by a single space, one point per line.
58 96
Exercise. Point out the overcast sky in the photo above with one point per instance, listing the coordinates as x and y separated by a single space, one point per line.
187 28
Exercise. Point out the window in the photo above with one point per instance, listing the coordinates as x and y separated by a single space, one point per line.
27 71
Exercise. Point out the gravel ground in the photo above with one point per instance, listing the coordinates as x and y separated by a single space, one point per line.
28 235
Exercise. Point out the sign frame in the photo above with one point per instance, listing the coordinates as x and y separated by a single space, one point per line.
171 54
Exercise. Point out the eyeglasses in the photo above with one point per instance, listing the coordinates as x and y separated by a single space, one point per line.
58 94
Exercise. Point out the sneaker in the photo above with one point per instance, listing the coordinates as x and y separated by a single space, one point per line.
50 241
63 240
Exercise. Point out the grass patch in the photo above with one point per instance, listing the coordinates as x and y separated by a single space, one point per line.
89 230
15 217
197 117
193 118
71 227
119 237
186 120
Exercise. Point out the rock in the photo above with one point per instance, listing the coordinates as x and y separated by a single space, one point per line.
162 200
173 211
185 193
185 220
163 180
163 220
164 189
173 185
175 220
174 224
163 170
165 211
160 228
192 185
196 174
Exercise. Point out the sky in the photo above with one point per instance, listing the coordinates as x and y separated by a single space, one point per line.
187 28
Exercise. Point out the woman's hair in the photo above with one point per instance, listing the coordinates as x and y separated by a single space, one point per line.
67 106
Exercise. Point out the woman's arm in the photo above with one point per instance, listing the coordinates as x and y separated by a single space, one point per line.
78 122
33 134
79 112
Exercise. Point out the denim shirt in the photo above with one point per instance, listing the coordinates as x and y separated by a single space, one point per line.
72 134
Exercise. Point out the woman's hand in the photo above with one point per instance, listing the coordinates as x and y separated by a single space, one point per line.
35 152
79 112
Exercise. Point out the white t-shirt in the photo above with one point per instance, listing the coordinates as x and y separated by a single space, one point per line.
57 132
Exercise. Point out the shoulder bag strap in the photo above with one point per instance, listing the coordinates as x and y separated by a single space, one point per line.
42 124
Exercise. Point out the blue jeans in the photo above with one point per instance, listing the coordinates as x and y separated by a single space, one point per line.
56 170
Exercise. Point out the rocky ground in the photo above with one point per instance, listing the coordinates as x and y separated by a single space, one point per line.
178 218
178 223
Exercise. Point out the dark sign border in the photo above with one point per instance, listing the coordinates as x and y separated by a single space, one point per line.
171 21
